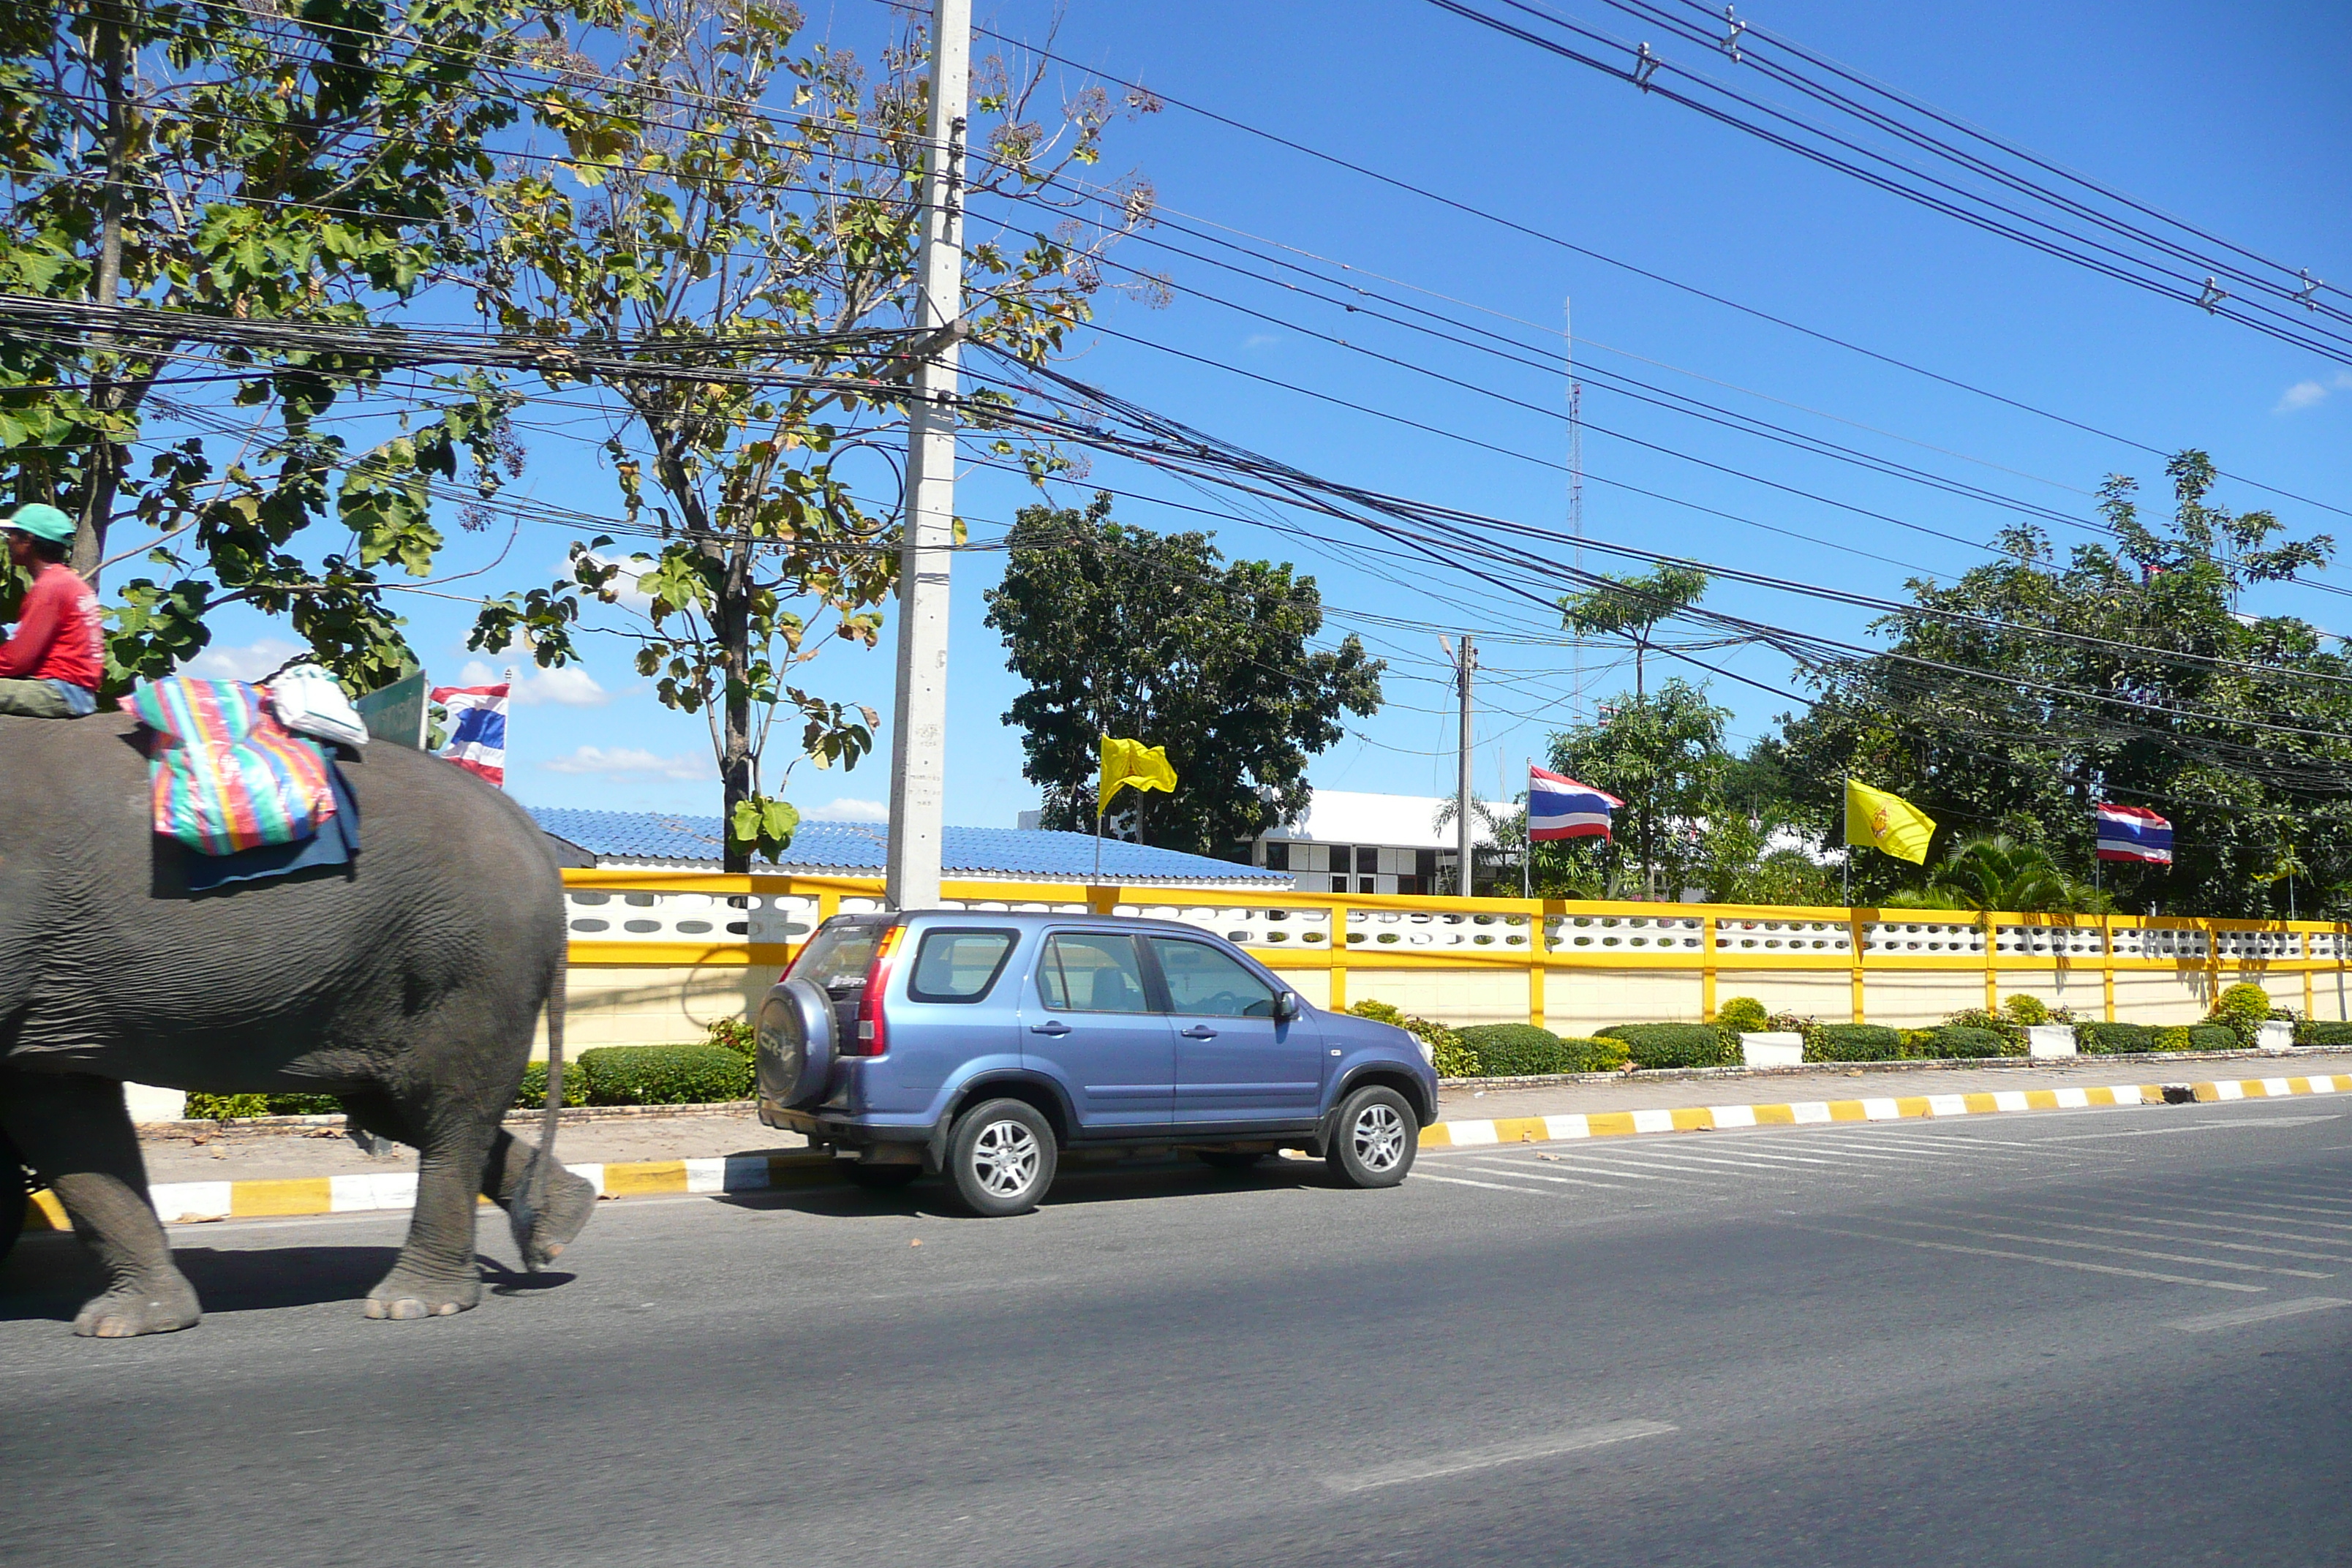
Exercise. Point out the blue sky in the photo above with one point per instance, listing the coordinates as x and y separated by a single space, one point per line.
2236 117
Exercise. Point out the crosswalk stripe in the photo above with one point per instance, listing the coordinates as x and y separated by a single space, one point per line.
2094 1206
2159 1236
1540 1176
2107 1246
2074 1263
1424 1175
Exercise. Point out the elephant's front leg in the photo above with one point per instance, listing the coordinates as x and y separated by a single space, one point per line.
74 1131
437 1273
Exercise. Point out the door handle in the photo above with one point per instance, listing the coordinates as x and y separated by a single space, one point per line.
1051 1027
1200 1032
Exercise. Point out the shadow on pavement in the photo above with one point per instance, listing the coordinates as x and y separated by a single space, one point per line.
51 1276
1124 1182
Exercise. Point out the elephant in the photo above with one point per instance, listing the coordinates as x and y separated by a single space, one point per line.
407 983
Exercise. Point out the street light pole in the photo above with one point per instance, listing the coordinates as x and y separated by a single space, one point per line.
918 720
1464 830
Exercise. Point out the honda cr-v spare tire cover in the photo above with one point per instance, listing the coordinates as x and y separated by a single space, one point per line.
795 1042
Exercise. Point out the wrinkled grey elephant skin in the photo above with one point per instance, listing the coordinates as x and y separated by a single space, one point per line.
407 983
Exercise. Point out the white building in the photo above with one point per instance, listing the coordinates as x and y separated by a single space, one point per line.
1350 841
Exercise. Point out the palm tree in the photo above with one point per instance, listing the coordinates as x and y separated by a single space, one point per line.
1995 871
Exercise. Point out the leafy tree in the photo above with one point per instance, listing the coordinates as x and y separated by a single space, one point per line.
1631 607
739 202
2238 728
1122 631
1663 754
272 179
1994 872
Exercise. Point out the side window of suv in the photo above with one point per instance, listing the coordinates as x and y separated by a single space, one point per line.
1091 973
1201 979
958 965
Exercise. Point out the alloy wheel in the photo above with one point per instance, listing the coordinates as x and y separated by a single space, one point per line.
1379 1137
1005 1157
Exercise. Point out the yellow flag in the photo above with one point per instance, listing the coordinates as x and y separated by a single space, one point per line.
1131 765
1888 822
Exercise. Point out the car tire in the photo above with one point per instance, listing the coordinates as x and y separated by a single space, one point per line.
1374 1138
1001 1157
878 1178
1232 1160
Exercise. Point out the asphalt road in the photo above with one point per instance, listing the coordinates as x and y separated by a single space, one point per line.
2117 1336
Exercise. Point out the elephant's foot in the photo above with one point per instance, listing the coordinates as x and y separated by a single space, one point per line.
570 1199
408 1294
158 1306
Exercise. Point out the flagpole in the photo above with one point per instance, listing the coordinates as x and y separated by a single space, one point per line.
1526 834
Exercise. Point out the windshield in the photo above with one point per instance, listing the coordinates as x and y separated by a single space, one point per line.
838 954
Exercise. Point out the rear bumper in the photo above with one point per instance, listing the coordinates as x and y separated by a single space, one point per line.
840 1129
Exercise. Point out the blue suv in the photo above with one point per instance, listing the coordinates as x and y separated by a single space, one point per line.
979 1045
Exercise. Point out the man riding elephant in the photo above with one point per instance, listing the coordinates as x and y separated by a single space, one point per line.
51 667
407 982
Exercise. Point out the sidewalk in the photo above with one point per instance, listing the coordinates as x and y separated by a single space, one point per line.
198 1171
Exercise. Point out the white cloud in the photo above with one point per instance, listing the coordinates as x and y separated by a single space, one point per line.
845 809
567 687
243 661
1260 340
2309 393
615 759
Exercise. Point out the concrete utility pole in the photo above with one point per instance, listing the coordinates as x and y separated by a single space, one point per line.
919 723
1465 824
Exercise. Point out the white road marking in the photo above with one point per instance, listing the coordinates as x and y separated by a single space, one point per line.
2208 1322
2107 1246
2196 1127
2047 1262
1490 1186
1461 1459
2160 1235
1540 1176
2095 1205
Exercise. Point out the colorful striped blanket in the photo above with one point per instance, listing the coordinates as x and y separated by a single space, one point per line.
225 775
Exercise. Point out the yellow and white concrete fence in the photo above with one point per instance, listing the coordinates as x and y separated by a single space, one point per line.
195 1201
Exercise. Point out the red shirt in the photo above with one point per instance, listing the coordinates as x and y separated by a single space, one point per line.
58 635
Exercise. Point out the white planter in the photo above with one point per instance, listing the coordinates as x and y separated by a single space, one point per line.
2275 1034
150 1104
1771 1050
2046 1041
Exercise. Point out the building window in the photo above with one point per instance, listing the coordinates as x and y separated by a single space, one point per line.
1367 859
1339 884
1368 884
1424 869
1277 856
1411 885
1335 857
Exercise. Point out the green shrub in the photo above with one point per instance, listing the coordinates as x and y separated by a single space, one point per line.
2012 1032
736 1035
1958 1042
232 1107
1742 1016
2116 1039
2240 1010
532 1095
2213 1038
1451 1058
662 1075
1657 1045
1515 1050
2025 1011
1852 1043
2312 1032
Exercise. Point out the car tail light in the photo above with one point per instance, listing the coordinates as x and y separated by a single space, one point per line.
873 1037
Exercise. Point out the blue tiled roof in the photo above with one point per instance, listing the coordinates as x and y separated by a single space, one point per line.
856 847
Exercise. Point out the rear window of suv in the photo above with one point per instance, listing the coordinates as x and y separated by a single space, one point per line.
837 956
958 965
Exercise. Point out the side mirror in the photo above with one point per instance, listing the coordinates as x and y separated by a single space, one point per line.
1285 1006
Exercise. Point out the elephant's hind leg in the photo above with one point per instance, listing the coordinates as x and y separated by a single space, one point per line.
75 1131
548 1210
437 1274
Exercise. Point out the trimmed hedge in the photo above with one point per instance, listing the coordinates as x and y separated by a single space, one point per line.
1447 1053
660 1074
2206 1038
1852 1043
228 1107
1958 1042
2114 1039
1655 1045
2312 1032
1524 1050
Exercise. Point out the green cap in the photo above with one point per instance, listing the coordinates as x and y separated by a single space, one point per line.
42 521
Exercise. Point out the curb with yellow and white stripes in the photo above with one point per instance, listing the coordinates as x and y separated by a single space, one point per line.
1809 1113
190 1203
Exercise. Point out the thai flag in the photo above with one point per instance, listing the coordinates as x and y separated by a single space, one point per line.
478 735
1560 807
2134 833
